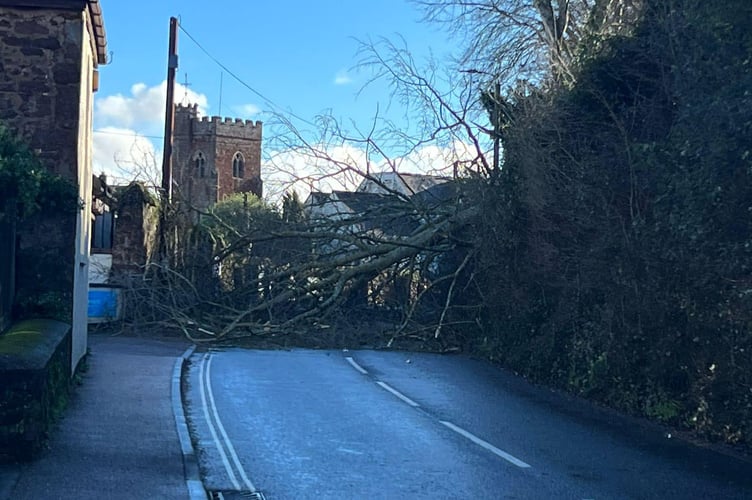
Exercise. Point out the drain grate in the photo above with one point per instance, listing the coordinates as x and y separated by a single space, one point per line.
236 495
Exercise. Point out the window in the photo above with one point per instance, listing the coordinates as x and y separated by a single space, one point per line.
238 165
200 162
102 232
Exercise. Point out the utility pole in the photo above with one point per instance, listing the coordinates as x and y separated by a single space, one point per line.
172 66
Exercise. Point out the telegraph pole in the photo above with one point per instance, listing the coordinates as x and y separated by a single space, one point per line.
172 66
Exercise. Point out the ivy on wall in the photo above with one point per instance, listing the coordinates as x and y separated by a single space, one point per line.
24 179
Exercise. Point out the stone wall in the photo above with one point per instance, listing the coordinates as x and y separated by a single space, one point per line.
48 55
40 74
134 238
34 366
40 79
192 188
232 138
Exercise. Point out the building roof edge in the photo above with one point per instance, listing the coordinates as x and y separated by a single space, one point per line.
95 15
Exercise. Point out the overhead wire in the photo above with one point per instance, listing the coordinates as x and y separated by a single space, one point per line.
240 80
128 134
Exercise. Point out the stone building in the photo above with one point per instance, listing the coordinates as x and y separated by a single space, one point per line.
134 241
50 51
123 235
214 157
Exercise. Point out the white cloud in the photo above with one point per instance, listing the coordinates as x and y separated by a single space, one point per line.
144 108
436 160
246 110
324 169
342 78
124 155
342 167
122 122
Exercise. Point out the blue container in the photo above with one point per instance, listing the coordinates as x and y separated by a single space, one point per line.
104 304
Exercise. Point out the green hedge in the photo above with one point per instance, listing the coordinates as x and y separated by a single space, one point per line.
617 248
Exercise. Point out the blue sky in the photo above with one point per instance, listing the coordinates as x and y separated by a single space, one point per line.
298 55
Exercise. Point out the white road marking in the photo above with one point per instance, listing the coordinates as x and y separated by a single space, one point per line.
356 365
493 449
222 431
398 394
348 450
213 432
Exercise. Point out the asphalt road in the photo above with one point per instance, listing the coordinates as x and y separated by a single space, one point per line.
362 424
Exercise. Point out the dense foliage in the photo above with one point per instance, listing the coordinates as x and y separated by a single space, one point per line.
24 180
33 195
618 261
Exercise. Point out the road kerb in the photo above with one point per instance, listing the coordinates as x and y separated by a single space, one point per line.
193 483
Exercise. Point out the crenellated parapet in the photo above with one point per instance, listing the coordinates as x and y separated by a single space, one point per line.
228 127
187 118
187 108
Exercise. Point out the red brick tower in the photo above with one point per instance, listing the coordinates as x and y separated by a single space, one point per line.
214 157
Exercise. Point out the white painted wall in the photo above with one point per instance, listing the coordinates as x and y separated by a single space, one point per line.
83 224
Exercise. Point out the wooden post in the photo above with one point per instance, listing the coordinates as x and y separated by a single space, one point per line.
172 66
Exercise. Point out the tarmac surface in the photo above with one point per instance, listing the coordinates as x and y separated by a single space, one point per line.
299 424
118 437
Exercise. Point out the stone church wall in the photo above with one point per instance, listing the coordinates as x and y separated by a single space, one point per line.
218 140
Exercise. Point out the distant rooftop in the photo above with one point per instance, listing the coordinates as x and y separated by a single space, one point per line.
403 183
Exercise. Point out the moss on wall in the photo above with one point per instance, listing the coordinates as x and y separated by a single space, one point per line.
34 367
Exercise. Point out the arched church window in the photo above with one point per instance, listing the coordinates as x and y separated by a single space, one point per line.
238 165
200 162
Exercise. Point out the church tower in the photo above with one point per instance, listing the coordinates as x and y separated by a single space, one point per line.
214 157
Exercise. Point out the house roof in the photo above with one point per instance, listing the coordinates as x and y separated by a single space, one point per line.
420 182
385 212
404 183
99 34
373 207
99 37
436 195
363 202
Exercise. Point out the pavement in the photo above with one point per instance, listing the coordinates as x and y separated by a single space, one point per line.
123 435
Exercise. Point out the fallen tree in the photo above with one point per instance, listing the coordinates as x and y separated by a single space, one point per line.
247 271
402 255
